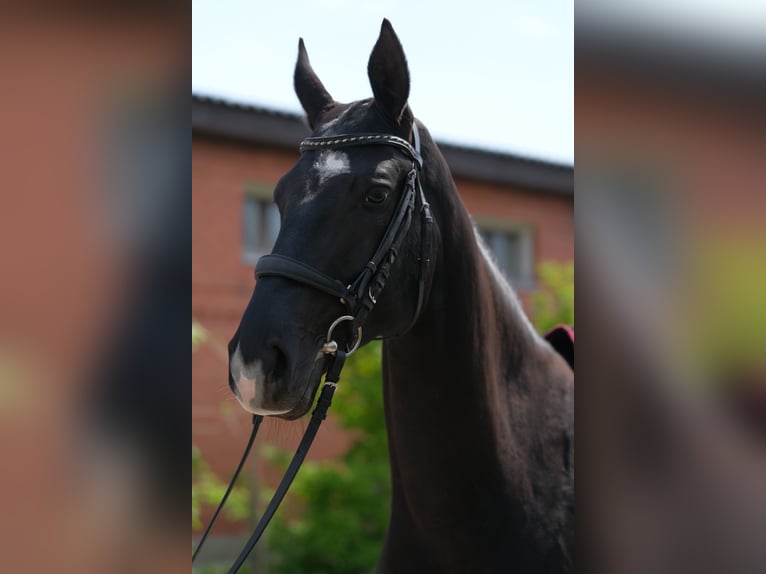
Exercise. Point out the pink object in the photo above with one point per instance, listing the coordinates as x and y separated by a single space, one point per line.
561 338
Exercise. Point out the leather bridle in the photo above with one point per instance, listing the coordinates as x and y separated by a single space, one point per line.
359 297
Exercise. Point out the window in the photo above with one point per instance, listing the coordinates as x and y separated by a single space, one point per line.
623 200
511 246
260 222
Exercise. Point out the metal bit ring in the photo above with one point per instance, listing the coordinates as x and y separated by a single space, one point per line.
330 346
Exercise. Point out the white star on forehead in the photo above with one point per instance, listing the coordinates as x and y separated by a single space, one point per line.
329 164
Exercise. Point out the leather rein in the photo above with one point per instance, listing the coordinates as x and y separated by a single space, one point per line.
359 297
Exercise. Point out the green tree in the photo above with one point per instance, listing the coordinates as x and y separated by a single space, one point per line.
553 302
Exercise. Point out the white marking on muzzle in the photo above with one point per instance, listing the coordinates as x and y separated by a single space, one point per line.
249 381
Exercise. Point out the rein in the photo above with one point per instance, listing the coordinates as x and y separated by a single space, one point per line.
359 297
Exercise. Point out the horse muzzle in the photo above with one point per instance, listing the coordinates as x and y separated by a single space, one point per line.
268 386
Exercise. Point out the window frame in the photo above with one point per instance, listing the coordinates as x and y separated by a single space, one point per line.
526 281
262 193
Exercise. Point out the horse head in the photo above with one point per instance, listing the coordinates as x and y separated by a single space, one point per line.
337 205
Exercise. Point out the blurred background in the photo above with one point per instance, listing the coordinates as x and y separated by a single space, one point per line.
94 296
671 253
496 93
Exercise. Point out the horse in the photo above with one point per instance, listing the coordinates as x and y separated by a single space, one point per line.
478 406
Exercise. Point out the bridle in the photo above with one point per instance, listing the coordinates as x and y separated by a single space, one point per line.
359 297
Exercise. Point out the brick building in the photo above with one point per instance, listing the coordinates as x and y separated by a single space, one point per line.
524 208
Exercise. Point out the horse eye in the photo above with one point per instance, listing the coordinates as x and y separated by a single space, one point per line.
377 195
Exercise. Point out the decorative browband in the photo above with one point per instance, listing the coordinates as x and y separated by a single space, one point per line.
347 140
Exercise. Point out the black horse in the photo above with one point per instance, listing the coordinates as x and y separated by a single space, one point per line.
479 408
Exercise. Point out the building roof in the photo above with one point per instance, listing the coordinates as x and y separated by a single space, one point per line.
264 126
694 66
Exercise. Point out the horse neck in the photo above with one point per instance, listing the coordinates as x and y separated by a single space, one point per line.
449 382
473 323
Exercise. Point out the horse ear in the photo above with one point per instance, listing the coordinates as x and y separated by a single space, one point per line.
389 74
308 87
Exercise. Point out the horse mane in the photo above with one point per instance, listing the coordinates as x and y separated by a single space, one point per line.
465 241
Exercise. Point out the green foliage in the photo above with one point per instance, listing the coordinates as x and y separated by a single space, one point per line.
199 335
207 489
720 321
339 521
553 302
220 569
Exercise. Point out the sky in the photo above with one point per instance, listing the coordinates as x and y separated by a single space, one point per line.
498 75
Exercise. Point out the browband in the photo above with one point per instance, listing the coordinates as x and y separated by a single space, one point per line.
366 139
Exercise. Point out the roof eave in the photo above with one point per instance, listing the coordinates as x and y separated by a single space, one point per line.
253 125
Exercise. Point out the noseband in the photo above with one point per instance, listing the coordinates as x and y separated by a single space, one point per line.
359 297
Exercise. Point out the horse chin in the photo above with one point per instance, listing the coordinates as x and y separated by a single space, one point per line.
307 399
